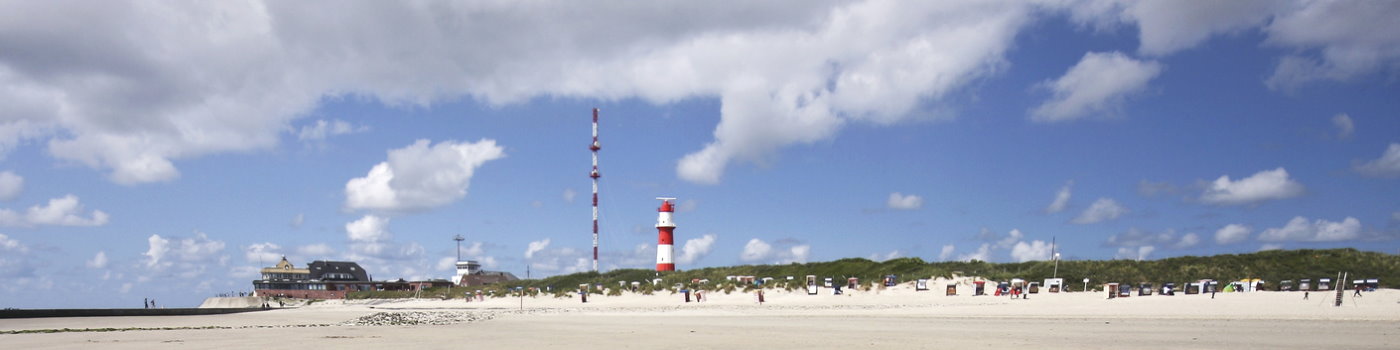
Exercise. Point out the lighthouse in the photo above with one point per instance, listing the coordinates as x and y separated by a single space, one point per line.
665 257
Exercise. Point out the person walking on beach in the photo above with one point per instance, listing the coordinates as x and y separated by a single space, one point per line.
1358 291
1305 295
146 302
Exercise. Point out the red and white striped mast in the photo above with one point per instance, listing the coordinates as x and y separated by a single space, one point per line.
595 147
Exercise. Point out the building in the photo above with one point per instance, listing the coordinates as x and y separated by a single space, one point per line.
326 280
469 273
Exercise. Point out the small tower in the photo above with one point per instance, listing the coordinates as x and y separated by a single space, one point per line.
665 257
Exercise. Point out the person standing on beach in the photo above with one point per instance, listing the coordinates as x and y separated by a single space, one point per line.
1358 291
146 302
1305 295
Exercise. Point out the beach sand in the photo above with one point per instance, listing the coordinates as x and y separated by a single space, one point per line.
898 317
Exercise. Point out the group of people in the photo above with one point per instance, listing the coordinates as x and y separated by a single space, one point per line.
150 303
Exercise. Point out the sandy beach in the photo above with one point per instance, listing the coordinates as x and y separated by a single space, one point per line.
897 317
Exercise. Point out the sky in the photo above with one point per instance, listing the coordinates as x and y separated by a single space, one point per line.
169 150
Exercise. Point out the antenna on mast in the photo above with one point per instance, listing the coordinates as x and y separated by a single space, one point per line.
594 174
459 240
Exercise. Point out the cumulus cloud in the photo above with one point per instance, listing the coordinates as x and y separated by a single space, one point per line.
535 247
1232 233
177 74
1061 199
1262 186
316 251
1323 47
322 129
1329 49
755 250
62 211
983 253
1135 237
98 261
184 257
946 252
1270 246
369 228
420 176
899 201
10 185
1034 250
696 248
1103 209
886 256
14 262
1344 125
1097 84
1388 165
786 251
1012 242
1138 253
263 253
1300 229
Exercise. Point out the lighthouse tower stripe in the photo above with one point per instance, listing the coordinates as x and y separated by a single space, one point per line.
665 239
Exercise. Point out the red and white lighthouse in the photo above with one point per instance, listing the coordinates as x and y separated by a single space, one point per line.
665 257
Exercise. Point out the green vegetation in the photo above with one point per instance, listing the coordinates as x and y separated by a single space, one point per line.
1271 266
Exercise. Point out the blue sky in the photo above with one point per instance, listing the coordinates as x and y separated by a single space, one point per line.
168 151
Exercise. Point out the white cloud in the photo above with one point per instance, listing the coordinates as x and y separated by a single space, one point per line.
886 256
1262 186
1188 240
177 74
983 253
1035 250
946 252
787 251
755 250
1103 209
1135 237
298 220
98 261
1323 47
14 261
1061 199
1388 165
184 257
1367 42
1299 229
1165 27
696 248
535 247
1270 246
1232 233
1139 254
1344 125
1097 84
322 129
315 251
900 201
419 176
370 228
264 253
688 205
62 211
569 195
10 185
